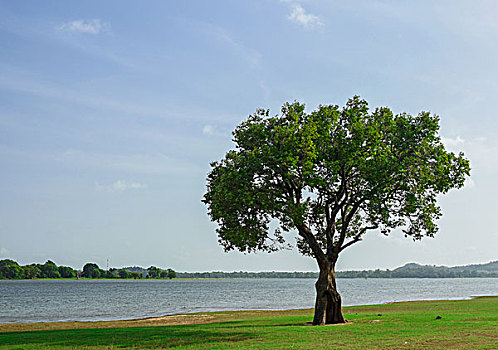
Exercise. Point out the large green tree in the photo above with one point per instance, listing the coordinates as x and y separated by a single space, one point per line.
49 270
153 272
171 273
92 270
330 176
66 272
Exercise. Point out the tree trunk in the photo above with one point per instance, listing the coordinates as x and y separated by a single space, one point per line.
328 300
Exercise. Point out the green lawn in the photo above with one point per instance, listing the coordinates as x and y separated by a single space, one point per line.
465 324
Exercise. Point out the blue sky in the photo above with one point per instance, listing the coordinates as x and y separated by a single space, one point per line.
110 113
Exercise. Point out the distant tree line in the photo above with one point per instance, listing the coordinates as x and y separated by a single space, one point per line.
10 269
241 274
407 271
415 273
427 271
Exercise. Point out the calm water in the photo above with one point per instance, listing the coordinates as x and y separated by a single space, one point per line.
34 301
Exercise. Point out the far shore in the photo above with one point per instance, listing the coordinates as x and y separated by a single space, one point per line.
117 279
84 279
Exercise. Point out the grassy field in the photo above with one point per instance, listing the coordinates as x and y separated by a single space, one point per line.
464 324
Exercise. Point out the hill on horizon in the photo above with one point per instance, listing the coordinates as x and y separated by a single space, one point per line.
414 270
491 266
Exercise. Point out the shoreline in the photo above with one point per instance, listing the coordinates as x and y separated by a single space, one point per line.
199 317
167 320
85 279
454 324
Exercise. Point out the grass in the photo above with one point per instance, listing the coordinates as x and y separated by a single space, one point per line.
464 324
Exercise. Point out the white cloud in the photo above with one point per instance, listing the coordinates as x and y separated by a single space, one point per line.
453 142
121 186
300 16
208 130
212 130
94 26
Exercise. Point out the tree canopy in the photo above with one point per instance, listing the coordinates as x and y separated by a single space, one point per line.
331 175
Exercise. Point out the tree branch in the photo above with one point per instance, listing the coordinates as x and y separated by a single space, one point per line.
346 220
357 237
306 233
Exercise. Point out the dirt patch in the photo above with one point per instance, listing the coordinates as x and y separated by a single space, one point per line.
327 325
494 336
171 320
149 322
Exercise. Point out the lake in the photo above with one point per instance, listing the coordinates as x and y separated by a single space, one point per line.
52 300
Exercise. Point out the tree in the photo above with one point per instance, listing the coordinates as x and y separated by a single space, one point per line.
153 272
112 273
171 273
91 270
6 262
49 270
136 275
11 272
31 271
66 272
330 176
124 273
10 269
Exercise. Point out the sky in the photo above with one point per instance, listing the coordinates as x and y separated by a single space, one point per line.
111 112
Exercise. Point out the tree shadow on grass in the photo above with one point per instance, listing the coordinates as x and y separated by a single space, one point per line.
140 337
